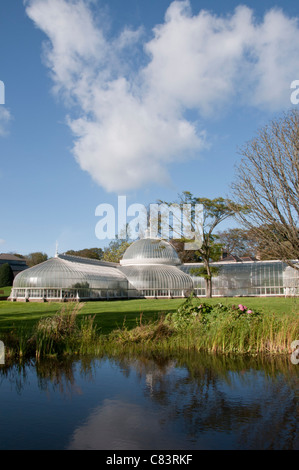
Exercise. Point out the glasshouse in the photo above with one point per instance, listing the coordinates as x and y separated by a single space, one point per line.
248 278
69 277
150 268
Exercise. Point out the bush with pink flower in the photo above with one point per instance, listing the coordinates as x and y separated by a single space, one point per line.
243 308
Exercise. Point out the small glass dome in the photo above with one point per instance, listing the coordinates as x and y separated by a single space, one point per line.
150 251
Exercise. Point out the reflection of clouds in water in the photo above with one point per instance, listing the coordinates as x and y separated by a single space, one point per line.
118 425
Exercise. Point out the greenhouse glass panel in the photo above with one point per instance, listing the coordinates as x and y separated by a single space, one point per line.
148 251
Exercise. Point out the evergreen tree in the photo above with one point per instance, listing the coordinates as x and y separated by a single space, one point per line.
6 275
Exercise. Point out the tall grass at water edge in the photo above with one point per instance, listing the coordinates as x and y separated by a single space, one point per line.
195 325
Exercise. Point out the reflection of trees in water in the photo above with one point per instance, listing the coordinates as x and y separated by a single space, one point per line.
52 374
255 399
57 375
198 392
143 365
263 421
277 428
16 374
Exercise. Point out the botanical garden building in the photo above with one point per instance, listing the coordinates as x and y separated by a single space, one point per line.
150 268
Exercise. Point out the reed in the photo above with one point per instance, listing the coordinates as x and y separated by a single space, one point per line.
194 326
218 329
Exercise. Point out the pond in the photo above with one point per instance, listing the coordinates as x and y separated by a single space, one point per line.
195 401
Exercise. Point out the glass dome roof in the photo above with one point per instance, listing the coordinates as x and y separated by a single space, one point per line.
150 251
62 273
157 277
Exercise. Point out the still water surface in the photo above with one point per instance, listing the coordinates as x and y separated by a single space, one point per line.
194 402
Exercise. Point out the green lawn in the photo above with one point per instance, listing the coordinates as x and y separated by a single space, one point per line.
6 291
112 314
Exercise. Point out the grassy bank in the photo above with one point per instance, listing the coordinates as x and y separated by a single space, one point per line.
112 314
108 314
219 325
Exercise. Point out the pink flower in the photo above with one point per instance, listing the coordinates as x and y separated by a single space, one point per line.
242 307
249 311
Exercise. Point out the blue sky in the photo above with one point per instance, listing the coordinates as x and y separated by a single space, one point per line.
143 98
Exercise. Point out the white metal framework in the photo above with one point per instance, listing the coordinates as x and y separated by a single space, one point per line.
149 268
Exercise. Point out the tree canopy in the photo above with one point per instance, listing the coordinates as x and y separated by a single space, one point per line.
36 258
6 275
239 242
115 251
92 253
267 182
215 211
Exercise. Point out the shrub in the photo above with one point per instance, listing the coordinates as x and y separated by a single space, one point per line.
6 275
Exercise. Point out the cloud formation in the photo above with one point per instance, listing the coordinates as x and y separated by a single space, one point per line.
129 120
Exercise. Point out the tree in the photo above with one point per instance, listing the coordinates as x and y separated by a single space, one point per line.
238 242
17 254
92 253
267 182
186 256
6 275
36 258
115 251
215 211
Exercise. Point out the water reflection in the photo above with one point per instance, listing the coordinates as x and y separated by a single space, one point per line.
121 425
195 401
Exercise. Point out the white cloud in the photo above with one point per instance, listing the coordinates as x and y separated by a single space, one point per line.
118 425
2 242
5 117
205 61
130 123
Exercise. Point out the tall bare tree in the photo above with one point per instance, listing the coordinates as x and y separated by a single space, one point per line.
267 182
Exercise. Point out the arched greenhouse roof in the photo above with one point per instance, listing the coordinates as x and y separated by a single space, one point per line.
150 251
157 277
59 273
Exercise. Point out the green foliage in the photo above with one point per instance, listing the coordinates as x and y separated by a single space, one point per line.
194 312
92 253
268 326
36 258
203 272
63 333
143 333
115 251
6 275
215 211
